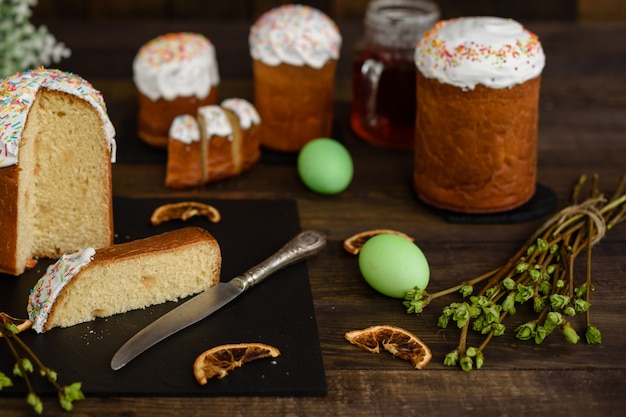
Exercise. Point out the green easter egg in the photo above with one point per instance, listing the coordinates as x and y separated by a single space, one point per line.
325 166
392 264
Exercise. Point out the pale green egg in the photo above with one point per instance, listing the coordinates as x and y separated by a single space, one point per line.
325 166
392 264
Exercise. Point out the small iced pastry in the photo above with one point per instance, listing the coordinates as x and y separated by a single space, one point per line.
56 148
184 149
88 284
478 84
217 138
246 132
175 74
218 143
295 49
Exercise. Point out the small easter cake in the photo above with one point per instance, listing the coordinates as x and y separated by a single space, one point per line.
219 142
294 49
184 150
175 74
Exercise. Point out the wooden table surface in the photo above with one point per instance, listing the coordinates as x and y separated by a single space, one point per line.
582 130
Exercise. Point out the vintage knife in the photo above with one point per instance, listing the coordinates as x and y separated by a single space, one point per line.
204 304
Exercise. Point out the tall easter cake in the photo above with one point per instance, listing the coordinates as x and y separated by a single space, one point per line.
88 284
175 74
295 49
56 148
219 142
478 83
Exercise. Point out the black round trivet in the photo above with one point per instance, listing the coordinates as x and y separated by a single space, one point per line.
544 201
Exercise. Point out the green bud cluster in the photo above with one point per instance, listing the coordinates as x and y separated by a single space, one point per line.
415 300
24 366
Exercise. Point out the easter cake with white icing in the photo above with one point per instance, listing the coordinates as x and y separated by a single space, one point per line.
294 50
219 142
175 73
478 83
56 148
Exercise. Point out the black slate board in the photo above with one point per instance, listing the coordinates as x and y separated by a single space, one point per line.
279 312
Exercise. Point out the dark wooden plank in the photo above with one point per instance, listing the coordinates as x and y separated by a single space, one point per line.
370 393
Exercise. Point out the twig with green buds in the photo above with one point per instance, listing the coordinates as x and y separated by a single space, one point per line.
24 366
541 273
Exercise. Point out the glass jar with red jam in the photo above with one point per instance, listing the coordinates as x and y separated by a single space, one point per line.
383 74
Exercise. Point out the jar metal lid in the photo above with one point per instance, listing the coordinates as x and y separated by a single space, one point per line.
399 23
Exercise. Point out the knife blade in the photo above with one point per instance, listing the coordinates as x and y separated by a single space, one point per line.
304 245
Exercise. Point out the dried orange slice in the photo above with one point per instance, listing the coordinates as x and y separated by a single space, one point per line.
218 361
354 243
183 211
399 342
21 324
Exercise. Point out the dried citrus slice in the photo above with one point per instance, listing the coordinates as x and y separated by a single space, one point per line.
218 361
396 340
183 211
354 243
21 324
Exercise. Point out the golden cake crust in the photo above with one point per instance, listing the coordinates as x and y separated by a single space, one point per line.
184 166
295 103
8 219
137 251
476 150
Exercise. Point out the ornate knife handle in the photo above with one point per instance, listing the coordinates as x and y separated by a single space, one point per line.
303 246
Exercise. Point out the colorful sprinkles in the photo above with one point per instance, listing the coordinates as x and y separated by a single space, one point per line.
175 48
185 129
17 94
172 65
295 34
501 49
47 289
244 110
216 122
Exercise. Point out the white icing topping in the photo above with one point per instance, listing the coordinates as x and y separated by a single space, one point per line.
17 94
176 65
185 129
244 110
294 34
492 51
216 122
47 289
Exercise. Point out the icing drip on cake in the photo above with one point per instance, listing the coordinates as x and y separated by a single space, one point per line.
185 129
244 110
216 122
492 51
296 35
46 290
176 65
17 94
